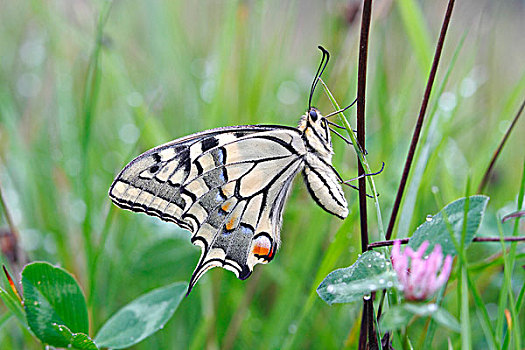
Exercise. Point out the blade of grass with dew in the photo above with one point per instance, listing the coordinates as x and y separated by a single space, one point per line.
362 159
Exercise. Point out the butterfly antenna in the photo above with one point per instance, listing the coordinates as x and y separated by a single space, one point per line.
320 71
341 110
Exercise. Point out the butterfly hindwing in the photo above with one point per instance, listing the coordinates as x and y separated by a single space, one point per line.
323 183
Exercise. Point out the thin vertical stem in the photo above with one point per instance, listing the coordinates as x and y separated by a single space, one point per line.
361 94
488 172
7 214
364 330
420 120
17 252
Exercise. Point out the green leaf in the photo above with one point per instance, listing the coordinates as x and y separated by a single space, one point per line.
399 316
371 271
435 229
142 317
13 305
77 340
52 296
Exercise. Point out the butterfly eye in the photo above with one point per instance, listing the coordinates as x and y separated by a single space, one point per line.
313 115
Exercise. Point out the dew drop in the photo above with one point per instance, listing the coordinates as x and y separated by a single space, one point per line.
468 87
367 297
447 101
381 281
288 92
429 217
432 307
35 303
330 289
135 99
292 328
129 133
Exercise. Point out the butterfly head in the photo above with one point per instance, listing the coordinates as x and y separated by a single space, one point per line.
315 130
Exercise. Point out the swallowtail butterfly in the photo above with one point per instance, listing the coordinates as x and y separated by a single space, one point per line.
228 186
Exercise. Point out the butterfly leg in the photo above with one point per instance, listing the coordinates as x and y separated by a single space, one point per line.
347 182
344 138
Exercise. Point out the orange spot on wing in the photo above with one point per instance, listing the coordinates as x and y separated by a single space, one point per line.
226 206
231 224
260 250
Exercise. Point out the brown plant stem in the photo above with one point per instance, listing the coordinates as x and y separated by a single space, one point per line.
476 239
488 172
8 217
18 255
361 95
420 120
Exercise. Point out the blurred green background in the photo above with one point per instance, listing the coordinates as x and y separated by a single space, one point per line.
76 106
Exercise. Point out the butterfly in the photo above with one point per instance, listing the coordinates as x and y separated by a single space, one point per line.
228 186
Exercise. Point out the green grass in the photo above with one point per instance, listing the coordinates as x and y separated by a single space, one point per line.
81 94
